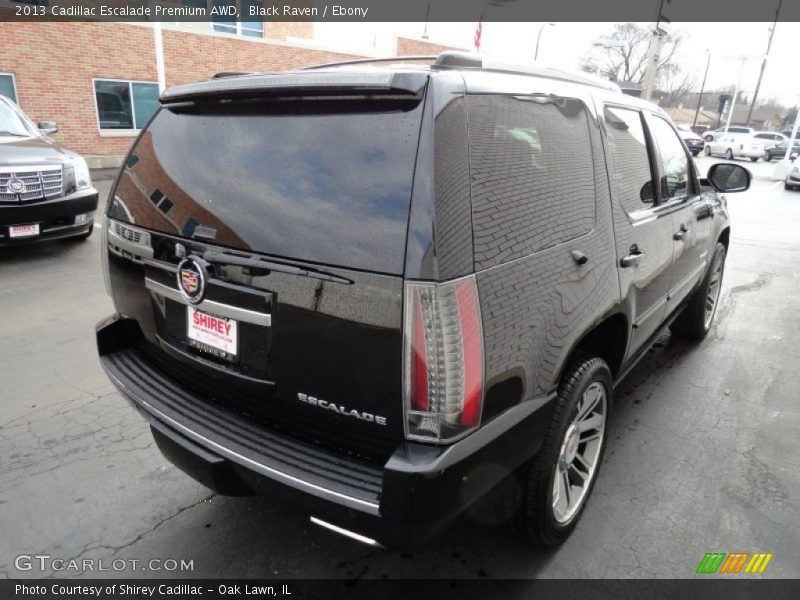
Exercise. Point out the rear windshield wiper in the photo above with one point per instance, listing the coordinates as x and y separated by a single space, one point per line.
223 258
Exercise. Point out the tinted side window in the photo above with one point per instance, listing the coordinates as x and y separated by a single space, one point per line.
532 174
628 162
675 172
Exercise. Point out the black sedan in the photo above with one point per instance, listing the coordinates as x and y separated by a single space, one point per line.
693 142
45 189
779 150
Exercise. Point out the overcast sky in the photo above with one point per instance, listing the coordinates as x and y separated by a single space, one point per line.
563 45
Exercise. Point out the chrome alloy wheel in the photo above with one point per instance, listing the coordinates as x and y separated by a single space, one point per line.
580 453
714 287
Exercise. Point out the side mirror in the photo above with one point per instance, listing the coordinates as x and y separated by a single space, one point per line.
48 127
646 193
727 177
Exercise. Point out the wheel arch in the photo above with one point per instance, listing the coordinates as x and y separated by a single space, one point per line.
607 339
725 237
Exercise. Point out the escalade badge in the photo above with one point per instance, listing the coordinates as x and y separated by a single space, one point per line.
342 410
17 186
191 280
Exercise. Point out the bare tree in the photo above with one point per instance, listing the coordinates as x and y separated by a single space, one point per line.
622 55
678 91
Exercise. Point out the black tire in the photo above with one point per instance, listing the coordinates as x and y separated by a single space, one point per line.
786 186
708 150
693 322
728 154
695 152
535 519
753 159
709 138
767 157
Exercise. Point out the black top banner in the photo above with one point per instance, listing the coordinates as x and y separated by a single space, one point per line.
401 10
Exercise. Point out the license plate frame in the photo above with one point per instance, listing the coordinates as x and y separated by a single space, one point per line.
212 334
24 231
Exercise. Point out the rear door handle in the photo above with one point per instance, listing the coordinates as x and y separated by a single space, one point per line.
632 259
678 235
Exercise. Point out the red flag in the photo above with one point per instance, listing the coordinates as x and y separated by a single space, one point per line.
477 38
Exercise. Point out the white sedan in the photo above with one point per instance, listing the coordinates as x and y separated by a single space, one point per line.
734 145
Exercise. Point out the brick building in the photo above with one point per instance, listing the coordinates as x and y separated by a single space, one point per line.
100 81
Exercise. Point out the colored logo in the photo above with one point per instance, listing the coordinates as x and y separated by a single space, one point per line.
735 562
191 280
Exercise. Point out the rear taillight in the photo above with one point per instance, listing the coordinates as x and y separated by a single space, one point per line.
442 360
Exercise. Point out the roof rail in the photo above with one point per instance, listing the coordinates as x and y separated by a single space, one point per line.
459 60
364 61
453 59
223 74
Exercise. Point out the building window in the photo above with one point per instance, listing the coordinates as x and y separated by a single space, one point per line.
246 25
124 105
8 87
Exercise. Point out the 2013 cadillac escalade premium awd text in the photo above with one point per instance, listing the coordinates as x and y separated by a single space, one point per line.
385 289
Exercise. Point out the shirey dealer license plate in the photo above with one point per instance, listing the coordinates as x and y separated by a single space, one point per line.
17 231
212 333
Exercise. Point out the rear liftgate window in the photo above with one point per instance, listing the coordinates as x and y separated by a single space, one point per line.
532 175
325 180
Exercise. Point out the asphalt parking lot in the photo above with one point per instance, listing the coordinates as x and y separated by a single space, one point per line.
703 454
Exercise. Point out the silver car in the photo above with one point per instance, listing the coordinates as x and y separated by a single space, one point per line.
793 177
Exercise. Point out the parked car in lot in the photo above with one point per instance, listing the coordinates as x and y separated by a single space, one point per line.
770 137
788 134
779 150
407 285
793 177
693 142
735 145
45 190
714 134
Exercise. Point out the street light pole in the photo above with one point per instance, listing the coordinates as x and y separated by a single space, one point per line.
702 88
539 38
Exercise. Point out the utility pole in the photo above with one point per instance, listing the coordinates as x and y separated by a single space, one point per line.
653 54
702 88
764 62
735 94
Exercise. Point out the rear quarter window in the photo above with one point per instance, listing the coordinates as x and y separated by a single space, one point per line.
532 175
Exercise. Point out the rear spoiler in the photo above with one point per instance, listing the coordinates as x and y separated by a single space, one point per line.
315 83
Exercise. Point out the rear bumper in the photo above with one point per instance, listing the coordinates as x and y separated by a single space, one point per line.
750 153
403 503
56 218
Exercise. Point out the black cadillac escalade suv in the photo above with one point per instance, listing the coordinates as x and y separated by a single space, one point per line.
386 289
46 192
